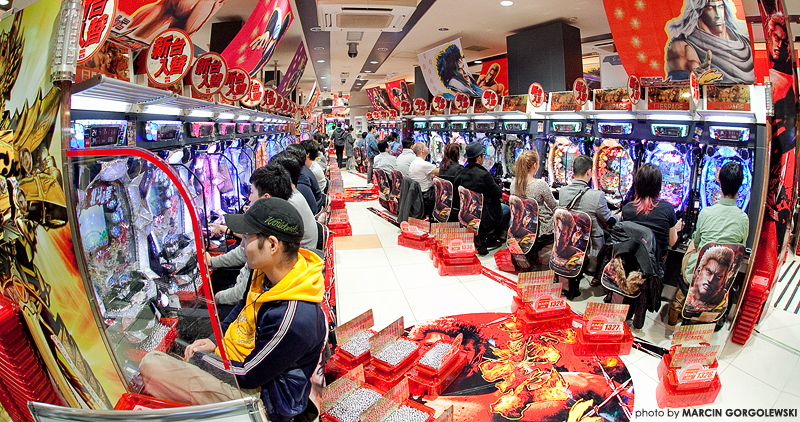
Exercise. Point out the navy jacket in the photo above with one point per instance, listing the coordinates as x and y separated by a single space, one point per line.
307 179
289 341
476 178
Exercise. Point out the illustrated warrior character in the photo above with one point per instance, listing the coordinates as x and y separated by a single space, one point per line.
708 40
32 197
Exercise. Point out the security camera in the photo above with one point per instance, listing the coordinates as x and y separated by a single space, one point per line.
344 81
352 49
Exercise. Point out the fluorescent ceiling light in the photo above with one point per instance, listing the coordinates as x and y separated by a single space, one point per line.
506 3
730 119
614 116
84 103
323 77
201 113
670 117
373 62
156 109
226 116
478 61
367 71
320 61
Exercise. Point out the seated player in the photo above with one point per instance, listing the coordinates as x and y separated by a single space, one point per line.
307 177
423 172
475 177
406 156
722 222
293 165
592 202
385 160
312 154
271 180
273 337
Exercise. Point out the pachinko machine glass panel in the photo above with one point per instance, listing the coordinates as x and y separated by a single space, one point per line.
220 183
559 161
140 241
420 133
493 147
713 160
675 162
243 161
438 140
613 169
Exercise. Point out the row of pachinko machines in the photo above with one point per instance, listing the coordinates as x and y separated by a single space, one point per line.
688 149
214 159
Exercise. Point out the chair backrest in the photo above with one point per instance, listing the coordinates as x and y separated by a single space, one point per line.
714 273
241 410
524 224
471 208
572 231
397 182
444 199
384 181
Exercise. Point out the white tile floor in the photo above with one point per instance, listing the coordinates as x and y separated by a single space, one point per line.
395 281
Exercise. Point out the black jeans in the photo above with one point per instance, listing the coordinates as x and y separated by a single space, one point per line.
339 155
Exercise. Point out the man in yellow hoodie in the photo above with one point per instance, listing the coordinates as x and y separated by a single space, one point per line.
275 334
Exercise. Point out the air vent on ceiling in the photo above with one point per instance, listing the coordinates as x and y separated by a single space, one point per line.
364 15
476 48
355 35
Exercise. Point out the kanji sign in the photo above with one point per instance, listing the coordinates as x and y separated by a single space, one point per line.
96 24
420 106
461 101
236 85
169 57
490 100
270 98
255 95
634 89
536 95
208 73
439 103
580 91
405 107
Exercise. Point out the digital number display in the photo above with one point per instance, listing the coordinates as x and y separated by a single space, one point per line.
202 129
244 128
615 128
736 134
670 131
516 126
103 135
419 125
458 126
437 125
162 131
484 126
226 128
99 133
571 127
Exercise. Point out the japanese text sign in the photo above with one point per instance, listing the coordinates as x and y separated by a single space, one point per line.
208 73
96 24
169 57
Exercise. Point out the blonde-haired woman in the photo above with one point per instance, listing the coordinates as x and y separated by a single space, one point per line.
527 185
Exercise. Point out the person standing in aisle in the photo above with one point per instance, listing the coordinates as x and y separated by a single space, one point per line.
372 149
338 136
349 150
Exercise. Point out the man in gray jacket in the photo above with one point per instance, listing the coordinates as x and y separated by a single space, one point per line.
593 202
269 181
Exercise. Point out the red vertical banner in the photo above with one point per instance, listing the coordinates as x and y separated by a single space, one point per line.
397 92
670 39
253 46
494 76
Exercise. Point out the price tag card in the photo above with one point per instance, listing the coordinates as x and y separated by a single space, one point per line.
386 337
356 325
460 247
421 224
598 325
534 278
387 404
611 312
341 387
533 292
684 356
696 374
693 334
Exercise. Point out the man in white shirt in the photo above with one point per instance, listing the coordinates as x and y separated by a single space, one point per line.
423 173
406 156
312 152
385 160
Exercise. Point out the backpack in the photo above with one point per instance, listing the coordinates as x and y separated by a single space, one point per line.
570 248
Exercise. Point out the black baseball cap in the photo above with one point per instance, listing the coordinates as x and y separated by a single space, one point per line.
475 149
269 216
